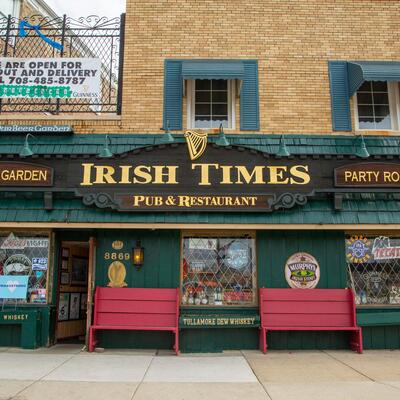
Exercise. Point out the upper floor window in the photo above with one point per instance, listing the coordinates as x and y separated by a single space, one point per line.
9 7
376 106
211 103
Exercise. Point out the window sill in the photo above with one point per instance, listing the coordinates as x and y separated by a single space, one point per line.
377 133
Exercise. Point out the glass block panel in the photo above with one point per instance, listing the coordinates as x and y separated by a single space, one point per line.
218 271
374 268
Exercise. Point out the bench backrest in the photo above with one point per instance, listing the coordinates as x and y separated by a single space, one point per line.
307 308
136 307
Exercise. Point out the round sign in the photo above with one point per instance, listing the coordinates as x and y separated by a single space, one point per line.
302 271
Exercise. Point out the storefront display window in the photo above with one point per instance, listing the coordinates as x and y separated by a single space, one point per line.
24 256
218 271
374 268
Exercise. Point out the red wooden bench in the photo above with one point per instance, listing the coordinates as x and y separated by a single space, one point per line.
135 309
308 310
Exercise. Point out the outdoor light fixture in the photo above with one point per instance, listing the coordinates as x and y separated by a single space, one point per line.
138 255
222 140
283 151
26 150
105 151
166 137
362 151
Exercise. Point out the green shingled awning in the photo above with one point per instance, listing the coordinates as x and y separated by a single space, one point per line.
360 71
354 212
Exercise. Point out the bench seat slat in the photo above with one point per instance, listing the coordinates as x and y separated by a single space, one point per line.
301 307
136 306
307 320
137 294
134 328
306 294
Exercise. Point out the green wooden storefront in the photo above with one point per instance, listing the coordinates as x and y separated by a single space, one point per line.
163 245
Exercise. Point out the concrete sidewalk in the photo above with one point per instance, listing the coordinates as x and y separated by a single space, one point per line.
65 372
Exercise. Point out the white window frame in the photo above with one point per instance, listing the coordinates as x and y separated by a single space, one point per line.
394 108
190 104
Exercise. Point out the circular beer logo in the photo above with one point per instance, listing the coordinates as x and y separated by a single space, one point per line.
302 271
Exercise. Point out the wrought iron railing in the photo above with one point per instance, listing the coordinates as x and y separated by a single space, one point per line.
86 37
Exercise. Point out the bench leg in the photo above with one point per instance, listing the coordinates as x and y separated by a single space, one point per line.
92 339
263 340
176 345
356 343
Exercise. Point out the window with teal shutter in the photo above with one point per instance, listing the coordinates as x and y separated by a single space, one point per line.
340 101
249 103
176 71
173 95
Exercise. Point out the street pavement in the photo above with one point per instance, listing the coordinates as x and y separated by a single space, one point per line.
66 372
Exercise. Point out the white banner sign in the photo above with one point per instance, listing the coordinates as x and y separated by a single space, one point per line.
74 78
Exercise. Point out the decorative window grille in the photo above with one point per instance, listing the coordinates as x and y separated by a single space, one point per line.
374 269
218 271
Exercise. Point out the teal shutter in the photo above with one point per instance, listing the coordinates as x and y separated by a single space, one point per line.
340 102
249 104
173 94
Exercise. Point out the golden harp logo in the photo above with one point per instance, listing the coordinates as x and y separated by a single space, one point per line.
196 142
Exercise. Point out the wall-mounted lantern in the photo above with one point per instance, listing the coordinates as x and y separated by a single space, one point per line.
138 255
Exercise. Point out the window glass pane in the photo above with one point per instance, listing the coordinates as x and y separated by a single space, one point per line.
382 111
366 111
203 97
379 86
365 87
26 256
220 97
373 107
219 84
374 268
218 271
203 109
217 121
366 123
364 98
383 122
381 98
220 109
203 121
203 84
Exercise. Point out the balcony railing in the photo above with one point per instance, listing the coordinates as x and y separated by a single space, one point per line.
86 37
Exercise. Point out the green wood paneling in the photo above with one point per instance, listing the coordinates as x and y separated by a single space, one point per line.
328 247
160 269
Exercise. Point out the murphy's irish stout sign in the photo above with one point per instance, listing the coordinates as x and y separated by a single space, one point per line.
168 178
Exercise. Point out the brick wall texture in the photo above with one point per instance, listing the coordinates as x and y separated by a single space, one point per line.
292 40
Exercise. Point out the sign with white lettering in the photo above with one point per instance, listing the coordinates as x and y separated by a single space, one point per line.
74 78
